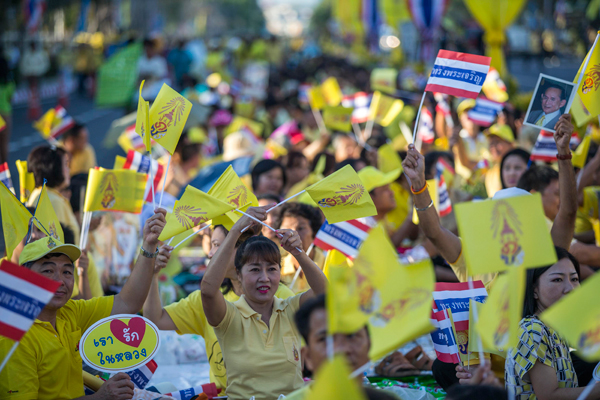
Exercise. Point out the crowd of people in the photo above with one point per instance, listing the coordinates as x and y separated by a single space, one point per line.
261 303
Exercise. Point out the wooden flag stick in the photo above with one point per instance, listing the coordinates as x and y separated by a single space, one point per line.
164 180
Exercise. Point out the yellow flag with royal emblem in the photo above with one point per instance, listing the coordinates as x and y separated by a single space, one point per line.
576 317
115 190
46 216
230 189
168 116
333 382
498 235
589 89
342 196
142 119
338 118
26 181
45 124
316 98
335 258
580 154
15 219
498 324
580 114
332 92
384 109
194 208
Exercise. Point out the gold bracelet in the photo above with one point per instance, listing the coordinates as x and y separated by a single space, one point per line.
419 191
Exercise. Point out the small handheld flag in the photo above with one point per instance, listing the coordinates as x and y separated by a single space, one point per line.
588 78
444 342
15 220
146 165
230 189
142 120
5 177
458 74
142 375
115 190
54 123
455 296
360 102
384 109
333 382
26 181
544 148
316 98
338 118
346 237
168 116
332 92
485 111
46 216
210 389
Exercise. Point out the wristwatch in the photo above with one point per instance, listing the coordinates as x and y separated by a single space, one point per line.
147 254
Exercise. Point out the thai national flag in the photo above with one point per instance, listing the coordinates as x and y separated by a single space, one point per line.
443 164
485 111
346 237
142 375
135 140
443 338
210 390
34 11
5 177
361 102
425 131
138 162
544 148
445 205
458 74
23 295
65 122
442 105
455 296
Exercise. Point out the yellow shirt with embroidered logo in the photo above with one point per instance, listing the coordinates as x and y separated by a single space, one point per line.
188 316
46 364
261 361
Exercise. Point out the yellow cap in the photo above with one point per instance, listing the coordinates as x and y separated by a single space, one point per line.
373 178
465 105
40 248
502 131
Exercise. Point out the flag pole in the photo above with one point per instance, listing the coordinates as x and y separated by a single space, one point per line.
358 137
360 370
262 223
588 389
277 205
85 226
369 127
583 68
10 353
418 116
193 233
319 120
164 181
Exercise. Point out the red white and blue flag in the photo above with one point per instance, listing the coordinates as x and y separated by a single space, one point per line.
544 148
425 132
458 74
34 11
485 111
210 389
140 163
444 342
444 205
5 177
66 122
23 295
456 296
346 237
142 375
361 103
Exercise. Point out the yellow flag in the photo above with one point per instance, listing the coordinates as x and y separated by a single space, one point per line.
588 90
26 181
119 162
342 196
316 98
194 208
580 114
142 119
333 382
240 123
338 118
474 339
168 116
230 189
462 342
15 219
576 317
498 235
115 190
336 259
46 216
343 301
388 159
384 79
499 319
581 153
493 87
45 124
332 92
384 109
2 123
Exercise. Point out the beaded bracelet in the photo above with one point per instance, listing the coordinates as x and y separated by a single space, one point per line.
419 191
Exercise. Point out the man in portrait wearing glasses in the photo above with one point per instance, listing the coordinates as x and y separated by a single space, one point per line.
553 99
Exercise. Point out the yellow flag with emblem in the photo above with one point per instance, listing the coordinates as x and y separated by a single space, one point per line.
498 235
316 98
580 154
241 123
333 382
168 116
581 115
142 119
342 196
335 258
194 208
576 317
498 324
332 92
46 216
26 181
230 189
338 118
15 219
388 159
384 109
589 88
384 79
115 190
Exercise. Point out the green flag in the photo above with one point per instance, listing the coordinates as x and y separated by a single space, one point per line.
117 77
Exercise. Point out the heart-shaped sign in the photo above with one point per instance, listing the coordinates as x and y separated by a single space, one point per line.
131 334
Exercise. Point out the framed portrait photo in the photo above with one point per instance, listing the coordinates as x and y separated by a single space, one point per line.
551 97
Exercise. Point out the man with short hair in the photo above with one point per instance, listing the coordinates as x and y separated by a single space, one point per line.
553 99
47 363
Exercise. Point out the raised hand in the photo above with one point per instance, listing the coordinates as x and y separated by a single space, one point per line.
290 241
153 228
260 213
82 263
563 132
414 168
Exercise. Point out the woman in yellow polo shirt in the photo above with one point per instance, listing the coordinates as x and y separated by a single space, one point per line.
260 344
187 315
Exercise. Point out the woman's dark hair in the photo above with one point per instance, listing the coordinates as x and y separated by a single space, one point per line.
78 182
329 163
227 285
263 167
47 163
186 149
73 132
432 158
312 214
293 159
524 154
269 196
533 275
257 248
537 178
353 162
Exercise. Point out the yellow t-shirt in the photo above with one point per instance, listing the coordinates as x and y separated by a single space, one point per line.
397 217
188 316
262 361
47 363
288 270
492 181
587 214
82 162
